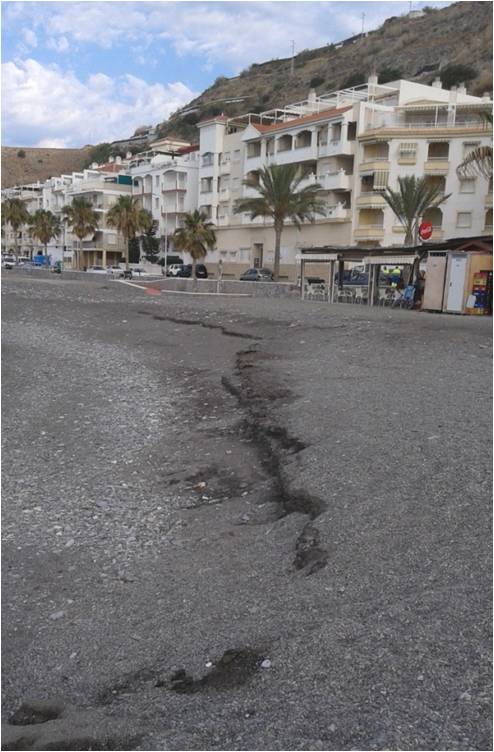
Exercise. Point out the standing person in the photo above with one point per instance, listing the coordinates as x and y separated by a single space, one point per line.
398 294
419 290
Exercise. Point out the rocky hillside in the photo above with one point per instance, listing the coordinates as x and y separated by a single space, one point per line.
453 42
25 165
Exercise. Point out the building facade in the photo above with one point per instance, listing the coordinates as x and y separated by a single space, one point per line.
353 143
165 182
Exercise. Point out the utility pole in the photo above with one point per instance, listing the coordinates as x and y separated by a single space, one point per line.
292 63
363 22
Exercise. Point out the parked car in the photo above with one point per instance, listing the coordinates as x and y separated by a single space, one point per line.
8 262
174 270
97 269
257 275
186 271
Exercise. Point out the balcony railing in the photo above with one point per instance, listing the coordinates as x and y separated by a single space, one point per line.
397 124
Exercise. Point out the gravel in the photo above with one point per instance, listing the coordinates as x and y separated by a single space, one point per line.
358 440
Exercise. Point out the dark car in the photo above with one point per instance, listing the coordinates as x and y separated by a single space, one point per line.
257 275
186 271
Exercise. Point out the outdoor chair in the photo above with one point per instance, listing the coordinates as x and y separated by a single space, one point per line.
361 295
385 297
345 296
315 291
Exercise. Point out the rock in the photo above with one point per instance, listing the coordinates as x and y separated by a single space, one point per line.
266 663
37 711
57 615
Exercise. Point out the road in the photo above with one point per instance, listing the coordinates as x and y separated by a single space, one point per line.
238 523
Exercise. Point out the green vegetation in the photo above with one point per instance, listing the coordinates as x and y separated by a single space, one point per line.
82 221
389 74
15 214
129 220
21 154
316 81
196 237
452 75
44 226
281 198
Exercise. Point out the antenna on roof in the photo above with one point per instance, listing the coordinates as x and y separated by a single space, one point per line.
292 62
363 22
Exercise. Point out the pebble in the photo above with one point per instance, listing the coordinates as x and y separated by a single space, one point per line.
266 663
465 696
69 543
57 615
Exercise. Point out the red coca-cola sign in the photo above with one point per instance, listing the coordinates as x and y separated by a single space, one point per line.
425 230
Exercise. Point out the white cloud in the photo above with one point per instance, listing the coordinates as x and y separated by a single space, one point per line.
52 143
44 104
29 37
59 44
233 34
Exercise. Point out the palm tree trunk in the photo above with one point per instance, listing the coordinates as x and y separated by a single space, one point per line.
194 278
278 229
127 265
46 255
16 243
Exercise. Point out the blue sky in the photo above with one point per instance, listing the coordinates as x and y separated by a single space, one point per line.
84 72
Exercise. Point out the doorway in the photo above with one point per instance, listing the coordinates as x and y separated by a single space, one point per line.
258 255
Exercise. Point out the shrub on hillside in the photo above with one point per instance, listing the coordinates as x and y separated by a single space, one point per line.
356 79
389 74
454 74
316 81
21 153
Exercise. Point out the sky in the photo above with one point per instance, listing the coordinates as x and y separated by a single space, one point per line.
75 73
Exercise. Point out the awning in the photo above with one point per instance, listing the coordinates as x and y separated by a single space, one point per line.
316 257
391 259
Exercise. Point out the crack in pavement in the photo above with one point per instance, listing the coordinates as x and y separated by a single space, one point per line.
273 443
204 324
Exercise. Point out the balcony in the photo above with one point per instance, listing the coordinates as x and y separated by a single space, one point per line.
224 194
437 165
388 121
225 168
173 185
332 148
338 213
335 181
371 199
369 232
223 220
286 156
375 164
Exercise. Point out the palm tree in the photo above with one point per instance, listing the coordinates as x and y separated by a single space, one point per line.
281 199
44 226
409 203
14 213
129 219
479 160
195 237
82 221
413 197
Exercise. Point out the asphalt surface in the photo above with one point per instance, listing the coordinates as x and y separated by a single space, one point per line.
305 485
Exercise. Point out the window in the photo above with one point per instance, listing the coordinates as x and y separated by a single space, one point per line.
207 159
226 157
236 155
233 255
464 219
112 239
467 185
407 152
244 254
469 146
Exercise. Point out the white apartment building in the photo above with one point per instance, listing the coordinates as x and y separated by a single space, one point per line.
354 143
32 195
101 186
165 182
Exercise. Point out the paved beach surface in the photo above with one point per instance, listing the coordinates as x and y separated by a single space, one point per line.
242 524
